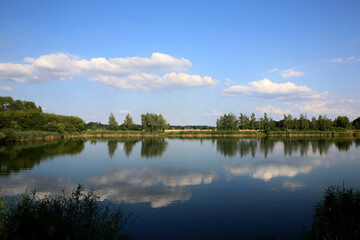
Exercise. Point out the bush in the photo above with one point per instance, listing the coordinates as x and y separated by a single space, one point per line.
78 216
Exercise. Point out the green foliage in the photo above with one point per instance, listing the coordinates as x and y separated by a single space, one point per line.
128 123
153 122
55 127
8 104
36 120
112 124
95 125
244 122
227 122
78 216
25 116
356 123
342 122
337 215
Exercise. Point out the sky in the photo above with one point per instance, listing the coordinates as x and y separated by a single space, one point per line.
191 61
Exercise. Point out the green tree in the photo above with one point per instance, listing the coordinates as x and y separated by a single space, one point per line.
244 121
304 123
342 121
153 122
313 124
324 123
252 121
356 123
128 123
112 124
227 122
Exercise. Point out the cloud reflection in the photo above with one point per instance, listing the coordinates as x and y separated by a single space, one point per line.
159 187
267 171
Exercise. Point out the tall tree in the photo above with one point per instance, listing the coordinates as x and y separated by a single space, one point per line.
253 121
112 124
304 123
128 122
244 121
313 124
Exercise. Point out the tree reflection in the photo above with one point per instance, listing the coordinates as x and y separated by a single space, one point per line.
343 144
247 146
16 157
129 145
112 146
229 147
266 146
153 147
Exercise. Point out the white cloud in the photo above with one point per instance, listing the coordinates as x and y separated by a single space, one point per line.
350 58
334 107
268 89
291 73
229 82
274 70
124 111
353 59
275 110
335 60
160 71
214 113
6 88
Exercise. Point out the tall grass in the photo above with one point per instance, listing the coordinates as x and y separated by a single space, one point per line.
75 216
337 215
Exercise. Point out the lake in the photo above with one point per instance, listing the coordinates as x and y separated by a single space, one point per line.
192 188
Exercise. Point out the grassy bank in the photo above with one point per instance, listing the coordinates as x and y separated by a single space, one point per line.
8 135
312 134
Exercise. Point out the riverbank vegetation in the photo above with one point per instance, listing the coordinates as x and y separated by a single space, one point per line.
79 215
25 121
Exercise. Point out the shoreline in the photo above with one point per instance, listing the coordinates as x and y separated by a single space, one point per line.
51 136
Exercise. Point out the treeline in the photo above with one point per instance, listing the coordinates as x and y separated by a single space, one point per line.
24 116
150 122
321 123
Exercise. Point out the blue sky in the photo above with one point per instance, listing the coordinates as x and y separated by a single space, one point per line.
189 60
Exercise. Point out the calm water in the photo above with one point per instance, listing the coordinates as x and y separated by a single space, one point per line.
192 189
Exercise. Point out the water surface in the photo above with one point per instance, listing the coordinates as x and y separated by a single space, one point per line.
192 188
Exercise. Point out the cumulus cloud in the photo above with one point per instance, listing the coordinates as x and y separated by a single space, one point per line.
214 113
6 88
275 110
160 71
268 89
291 73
